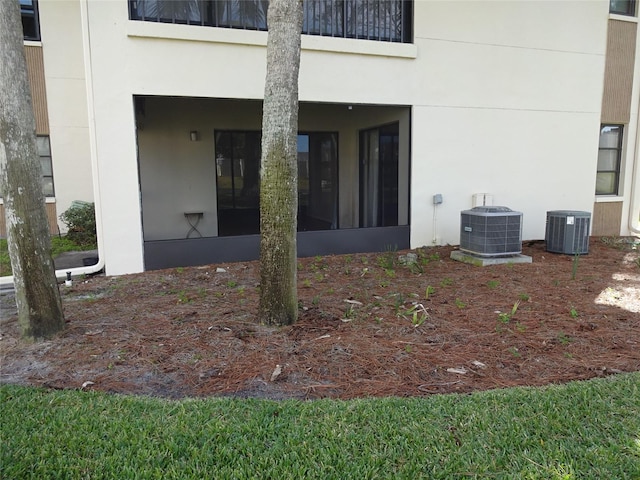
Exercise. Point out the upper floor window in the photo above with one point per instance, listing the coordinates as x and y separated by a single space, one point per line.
609 159
382 20
30 20
622 7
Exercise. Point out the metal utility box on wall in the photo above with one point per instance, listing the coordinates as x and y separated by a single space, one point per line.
567 232
491 231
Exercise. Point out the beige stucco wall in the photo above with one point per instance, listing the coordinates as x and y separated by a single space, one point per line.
505 99
509 108
62 48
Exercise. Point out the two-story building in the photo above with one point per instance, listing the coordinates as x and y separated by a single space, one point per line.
152 109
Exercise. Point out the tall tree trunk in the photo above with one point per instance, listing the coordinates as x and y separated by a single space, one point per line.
279 172
37 295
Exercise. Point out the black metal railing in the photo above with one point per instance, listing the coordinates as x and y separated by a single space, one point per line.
381 20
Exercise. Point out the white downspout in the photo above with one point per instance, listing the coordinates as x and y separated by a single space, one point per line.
634 205
634 210
88 70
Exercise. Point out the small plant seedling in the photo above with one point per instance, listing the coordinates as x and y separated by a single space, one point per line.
563 339
520 327
493 284
574 266
387 260
183 297
315 301
524 297
506 317
446 282
408 348
514 351
350 312
232 284
179 270
417 314
573 312
429 291
460 304
306 283
398 302
415 268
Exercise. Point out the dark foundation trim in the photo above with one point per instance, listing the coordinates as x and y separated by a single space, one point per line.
204 251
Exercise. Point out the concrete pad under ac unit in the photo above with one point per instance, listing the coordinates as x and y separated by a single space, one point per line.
479 261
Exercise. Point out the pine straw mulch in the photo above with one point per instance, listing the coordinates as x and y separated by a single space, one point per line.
192 331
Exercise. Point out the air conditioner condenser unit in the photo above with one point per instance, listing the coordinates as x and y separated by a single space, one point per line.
567 232
491 231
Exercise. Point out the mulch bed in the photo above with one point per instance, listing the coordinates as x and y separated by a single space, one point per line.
369 325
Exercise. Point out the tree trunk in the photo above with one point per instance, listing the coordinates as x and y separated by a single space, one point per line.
279 172
37 295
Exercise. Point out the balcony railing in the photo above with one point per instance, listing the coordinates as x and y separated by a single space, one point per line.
380 20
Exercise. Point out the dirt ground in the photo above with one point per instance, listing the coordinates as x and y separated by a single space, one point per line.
370 325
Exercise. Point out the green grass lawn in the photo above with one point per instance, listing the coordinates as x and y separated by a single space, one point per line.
583 430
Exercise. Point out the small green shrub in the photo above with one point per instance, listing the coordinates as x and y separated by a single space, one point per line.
80 219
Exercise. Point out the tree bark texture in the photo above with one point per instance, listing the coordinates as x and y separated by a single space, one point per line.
37 296
279 166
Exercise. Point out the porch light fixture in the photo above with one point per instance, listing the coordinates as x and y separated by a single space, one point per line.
194 135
